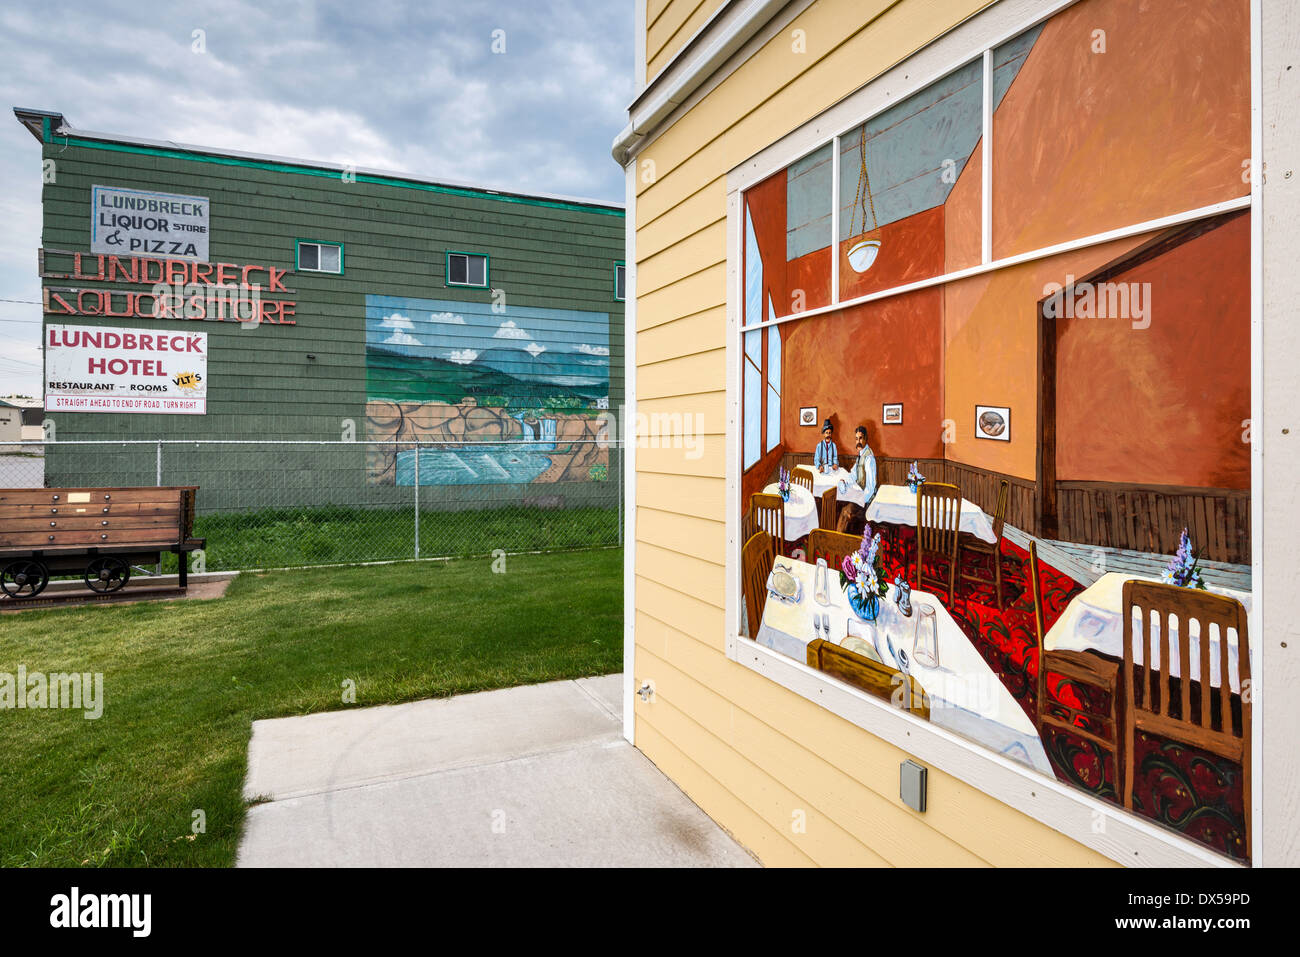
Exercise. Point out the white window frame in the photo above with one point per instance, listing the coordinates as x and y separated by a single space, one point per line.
1104 827
319 244
620 269
467 256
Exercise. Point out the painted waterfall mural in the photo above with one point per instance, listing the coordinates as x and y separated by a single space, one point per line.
1094 402
526 386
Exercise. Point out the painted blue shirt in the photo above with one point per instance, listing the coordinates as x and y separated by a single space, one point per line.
826 454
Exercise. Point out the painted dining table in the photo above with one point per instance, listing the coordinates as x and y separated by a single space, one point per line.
846 490
896 505
801 511
966 697
1094 621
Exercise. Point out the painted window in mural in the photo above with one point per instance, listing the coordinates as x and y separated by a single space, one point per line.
898 173
530 385
1070 434
789 217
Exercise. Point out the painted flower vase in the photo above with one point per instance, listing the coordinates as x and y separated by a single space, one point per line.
911 487
864 604
785 495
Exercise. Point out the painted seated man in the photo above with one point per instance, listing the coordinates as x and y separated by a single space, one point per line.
853 517
827 456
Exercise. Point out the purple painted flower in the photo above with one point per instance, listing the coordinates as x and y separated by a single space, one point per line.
1184 569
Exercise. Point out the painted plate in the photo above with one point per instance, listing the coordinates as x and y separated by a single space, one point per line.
860 647
784 585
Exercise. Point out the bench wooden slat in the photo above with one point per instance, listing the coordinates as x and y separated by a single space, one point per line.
90 496
19 512
108 538
40 523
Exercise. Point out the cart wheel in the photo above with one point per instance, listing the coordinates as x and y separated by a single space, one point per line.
107 574
24 578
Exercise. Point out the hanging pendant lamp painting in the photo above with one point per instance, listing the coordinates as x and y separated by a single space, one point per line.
863 253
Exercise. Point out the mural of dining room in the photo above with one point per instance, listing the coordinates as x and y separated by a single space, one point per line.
1016 501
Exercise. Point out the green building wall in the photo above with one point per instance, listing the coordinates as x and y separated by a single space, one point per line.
263 386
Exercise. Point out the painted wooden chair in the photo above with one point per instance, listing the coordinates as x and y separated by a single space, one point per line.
755 566
832 546
1078 666
769 516
901 690
1187 714
969 543
803 477
827 508
938 514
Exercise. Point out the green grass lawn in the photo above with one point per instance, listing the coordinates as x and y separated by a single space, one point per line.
275 538
184 680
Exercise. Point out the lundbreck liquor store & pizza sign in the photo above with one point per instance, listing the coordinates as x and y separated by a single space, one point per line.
155 224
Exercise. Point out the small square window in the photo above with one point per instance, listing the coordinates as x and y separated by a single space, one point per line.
620 282
320 257
467 269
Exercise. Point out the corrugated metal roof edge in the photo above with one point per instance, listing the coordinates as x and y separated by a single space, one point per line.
95 140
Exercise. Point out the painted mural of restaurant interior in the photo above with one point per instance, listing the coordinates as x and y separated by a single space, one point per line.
1056 457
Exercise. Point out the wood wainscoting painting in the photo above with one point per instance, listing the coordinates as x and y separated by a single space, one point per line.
1126 362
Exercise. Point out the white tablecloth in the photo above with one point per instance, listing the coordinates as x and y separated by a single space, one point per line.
895 505
965 695
801 512
1094 621
847 490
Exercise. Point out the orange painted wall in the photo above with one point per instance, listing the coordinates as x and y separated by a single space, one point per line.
991 343
910 249
887 351
1164 405
1085 142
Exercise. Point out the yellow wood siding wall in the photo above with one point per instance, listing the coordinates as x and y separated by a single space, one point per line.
669 24
756 756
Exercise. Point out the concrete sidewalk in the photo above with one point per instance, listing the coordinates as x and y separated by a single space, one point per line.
537 776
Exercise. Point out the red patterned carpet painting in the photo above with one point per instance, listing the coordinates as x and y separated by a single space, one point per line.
1188 790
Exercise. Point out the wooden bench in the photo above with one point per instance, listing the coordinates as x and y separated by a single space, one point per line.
100 532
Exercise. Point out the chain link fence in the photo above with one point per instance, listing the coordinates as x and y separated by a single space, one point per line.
274 504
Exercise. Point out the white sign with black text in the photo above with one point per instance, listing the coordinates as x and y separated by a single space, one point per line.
136 222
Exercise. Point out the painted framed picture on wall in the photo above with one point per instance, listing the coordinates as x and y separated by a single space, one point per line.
892 414
993 422
808 416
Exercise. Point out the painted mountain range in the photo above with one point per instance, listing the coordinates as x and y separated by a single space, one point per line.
434 350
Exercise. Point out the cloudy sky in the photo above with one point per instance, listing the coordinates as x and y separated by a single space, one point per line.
406 86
